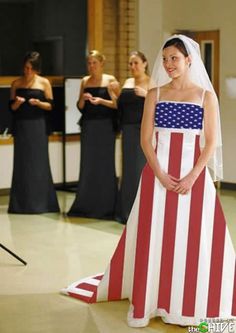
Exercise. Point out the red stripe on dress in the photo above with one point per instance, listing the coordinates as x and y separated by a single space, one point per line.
194 236
116 270
217 258
234 295
87 286
171 207
93 299
143 241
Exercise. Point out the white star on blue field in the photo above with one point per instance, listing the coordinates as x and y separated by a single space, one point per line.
178 115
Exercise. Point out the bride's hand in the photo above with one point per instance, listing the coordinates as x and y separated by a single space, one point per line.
185 184
168 181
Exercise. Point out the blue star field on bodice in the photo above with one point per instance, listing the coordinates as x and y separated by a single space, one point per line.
178 115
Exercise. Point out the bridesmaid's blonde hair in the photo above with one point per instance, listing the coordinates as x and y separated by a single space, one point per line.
98 55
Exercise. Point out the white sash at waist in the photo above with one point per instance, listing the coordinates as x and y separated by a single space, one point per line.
179 130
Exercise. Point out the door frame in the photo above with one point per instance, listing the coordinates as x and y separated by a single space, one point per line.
209 38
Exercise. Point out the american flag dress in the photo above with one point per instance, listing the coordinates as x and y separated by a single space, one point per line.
175 258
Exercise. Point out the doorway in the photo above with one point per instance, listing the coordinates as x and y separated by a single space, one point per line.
209 42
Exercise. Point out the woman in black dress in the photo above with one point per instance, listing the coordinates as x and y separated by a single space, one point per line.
97 188
130 105
32 189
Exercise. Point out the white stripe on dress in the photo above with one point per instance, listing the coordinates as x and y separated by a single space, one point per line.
227 276
204 260
158 213
102 291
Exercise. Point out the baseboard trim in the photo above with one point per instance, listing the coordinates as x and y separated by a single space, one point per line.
228 186
70 187
4 191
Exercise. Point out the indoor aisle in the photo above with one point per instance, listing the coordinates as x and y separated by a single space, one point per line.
60 250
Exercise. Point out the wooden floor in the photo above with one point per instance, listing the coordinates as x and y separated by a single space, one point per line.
59 251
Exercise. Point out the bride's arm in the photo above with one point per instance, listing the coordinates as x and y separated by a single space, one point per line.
210 125
147 129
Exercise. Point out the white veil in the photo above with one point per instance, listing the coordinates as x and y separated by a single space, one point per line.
199 76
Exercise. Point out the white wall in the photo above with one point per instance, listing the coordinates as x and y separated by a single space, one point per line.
150 28
6 162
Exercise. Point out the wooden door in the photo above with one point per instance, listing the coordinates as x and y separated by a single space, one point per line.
209 42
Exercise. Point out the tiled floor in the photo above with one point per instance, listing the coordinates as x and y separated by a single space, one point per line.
59 251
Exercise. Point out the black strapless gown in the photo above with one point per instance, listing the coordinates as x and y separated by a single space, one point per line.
32 189
130 108
97 187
